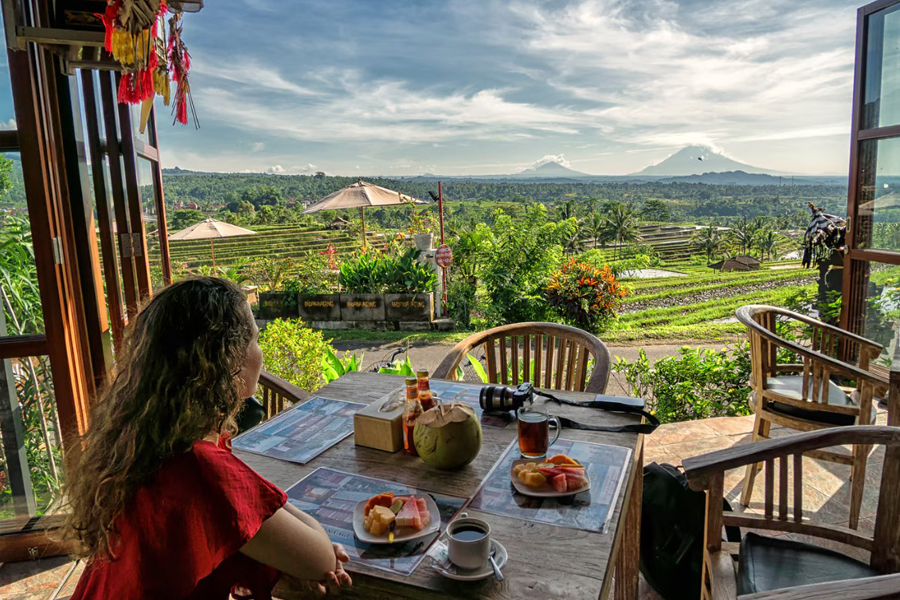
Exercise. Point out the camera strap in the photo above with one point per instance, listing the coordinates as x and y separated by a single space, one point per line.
648 427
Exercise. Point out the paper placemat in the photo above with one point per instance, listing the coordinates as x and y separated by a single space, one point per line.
590 510
302 432
331 496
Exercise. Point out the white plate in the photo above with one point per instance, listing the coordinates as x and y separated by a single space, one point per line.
454 572
401 534
546 490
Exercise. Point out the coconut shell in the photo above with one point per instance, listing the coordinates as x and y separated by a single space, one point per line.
443 414
448 436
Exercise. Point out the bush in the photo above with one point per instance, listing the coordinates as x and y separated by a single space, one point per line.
294 353
460 301
519 263
376 273
313 274
696 384
585 296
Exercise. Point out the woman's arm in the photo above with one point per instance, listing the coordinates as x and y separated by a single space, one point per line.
294 543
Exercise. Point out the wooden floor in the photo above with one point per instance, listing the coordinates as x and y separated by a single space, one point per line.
828 498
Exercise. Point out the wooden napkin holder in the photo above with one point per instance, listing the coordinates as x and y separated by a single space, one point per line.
382 430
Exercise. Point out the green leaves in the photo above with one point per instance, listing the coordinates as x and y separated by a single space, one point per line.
379 273
334 367
400 367
294 353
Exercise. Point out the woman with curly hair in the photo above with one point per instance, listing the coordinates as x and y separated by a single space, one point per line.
159 507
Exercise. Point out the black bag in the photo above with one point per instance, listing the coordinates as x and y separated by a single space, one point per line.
672 525
251 415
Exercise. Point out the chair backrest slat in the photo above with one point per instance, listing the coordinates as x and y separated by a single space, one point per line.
770 487
559 358
570 363
798 487
526 357
783 487
514 350
560 362
504 367
491 360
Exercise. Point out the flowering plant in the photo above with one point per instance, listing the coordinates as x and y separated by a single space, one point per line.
584 295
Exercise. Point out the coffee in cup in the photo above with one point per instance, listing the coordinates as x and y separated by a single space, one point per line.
468 542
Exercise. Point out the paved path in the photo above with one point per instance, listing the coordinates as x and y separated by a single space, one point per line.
429 356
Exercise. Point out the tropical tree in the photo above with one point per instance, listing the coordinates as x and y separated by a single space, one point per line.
655 209
744 234
595 228
709 241
622 226
767 243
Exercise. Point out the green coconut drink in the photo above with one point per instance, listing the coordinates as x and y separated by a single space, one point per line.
448 436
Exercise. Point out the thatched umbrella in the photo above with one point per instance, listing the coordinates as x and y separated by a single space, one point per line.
360 195
210 229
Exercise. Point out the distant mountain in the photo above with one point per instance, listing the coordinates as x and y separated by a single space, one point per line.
697 160
550 170
727 178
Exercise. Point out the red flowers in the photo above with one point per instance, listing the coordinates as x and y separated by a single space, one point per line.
585 295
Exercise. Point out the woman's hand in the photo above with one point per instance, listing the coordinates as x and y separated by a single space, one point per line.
336 578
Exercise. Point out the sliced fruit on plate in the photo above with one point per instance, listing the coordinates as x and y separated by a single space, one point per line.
534 480
379 519
575 480
552 471
409 515
380 500
559 483
562 459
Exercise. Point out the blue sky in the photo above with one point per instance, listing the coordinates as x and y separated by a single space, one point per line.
478 87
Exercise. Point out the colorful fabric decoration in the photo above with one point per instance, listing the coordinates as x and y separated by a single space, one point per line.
136 41
824 235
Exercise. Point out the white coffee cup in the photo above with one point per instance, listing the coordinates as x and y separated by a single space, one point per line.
468 542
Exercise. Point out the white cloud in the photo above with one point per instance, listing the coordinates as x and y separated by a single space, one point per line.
550 158
8 125
256 147
276 170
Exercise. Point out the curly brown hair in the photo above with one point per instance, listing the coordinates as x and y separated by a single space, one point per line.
177 380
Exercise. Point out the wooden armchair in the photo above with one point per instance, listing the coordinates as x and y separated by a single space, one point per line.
553 357
802 395
766 564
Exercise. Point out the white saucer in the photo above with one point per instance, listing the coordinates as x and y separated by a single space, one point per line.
454 572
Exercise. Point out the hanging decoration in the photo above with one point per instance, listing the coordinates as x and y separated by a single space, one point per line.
136 41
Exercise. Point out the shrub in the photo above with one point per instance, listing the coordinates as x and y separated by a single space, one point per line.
461 295
696 384
294 353
518 264
362 275
313 275
376 273
269 273
585 296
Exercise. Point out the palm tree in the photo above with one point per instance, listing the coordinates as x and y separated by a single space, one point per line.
566 210
595 227
709 241
622 226
744 234
767 243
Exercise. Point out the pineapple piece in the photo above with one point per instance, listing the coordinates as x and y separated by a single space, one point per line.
518 468
381 518
534 479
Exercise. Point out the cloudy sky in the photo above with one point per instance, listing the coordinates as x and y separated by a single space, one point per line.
494 86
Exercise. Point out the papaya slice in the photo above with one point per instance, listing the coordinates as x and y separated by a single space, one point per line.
380 500
562 459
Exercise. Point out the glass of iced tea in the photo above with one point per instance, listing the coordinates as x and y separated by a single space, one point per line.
534 431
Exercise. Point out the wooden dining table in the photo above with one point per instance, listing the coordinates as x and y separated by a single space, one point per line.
545 562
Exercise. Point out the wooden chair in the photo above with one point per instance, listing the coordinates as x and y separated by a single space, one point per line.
802 395
553 357
765 564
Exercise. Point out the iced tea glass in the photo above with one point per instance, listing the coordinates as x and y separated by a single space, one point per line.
534 432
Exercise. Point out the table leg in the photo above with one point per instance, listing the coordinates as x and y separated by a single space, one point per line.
628 557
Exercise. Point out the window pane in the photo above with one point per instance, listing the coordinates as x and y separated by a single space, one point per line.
31 461
19 293
882 77
151 224
878 225
880 318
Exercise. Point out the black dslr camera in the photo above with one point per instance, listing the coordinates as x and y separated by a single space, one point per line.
500 398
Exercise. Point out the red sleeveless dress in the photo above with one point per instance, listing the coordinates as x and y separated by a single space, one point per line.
181 531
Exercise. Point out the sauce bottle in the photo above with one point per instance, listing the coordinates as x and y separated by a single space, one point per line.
426 399
411 412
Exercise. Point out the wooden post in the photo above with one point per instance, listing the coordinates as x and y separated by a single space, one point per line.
362 217
443 269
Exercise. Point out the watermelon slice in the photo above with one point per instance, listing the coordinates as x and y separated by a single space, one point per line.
550 472
575 481
559 483
409 515
423 511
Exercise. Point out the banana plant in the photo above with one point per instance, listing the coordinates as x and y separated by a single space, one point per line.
334 367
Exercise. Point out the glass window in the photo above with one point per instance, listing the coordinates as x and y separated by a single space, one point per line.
882 308
151 224
881 104
19 294
878 216
31 464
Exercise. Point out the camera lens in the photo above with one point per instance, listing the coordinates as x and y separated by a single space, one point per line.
496 398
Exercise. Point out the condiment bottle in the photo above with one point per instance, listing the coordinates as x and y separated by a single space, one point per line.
426 399
411 412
